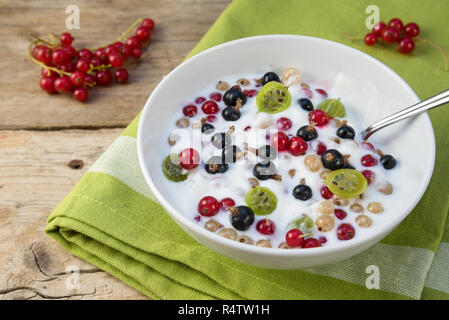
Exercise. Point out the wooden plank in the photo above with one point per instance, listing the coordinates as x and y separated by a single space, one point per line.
179 26
34 177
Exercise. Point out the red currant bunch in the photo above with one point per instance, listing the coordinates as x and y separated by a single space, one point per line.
70 70
394 32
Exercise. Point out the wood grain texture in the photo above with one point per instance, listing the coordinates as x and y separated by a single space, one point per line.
34 176
180 24
35 169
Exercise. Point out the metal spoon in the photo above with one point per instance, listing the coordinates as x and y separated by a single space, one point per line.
414 110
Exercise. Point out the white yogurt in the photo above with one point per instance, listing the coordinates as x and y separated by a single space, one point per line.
234 183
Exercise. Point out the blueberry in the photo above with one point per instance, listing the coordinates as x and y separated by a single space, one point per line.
242 217
264 170
229 154
332 159
306 104
230 114
221 140
302 192
207 128
270 76
388 161
215 165
307 132
234 94
267 152
346 132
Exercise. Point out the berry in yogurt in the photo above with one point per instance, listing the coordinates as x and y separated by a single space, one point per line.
274 160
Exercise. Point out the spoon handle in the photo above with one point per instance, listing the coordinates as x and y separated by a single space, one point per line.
415 109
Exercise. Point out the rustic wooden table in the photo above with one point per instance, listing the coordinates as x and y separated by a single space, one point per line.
41 134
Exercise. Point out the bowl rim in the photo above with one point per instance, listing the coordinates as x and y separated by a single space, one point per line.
347 245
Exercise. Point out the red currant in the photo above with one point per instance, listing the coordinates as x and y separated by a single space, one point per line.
110 49
369 176
118 45
297 146
63 84
279 141
319 117
48 84
250 93
59 57
319 147
211 118
80 94
311 243
200 100
136 53
390 35
326 193
101 54
148 23
208 206
345 232
190 110
43 54
104 77
66 39
322 92
340 213
210 107
406 45
322 239
37 50
378 28
294 238
70 51
90 80
115 59
265 226
133 42
143 34
411 30
78 78
125 50
396 23
368 160
189 158
370 39
95 61
85 53
227 203
121 75
67 67
83 65
283 123
215 96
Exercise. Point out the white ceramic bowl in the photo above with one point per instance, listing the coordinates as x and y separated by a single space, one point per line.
380 92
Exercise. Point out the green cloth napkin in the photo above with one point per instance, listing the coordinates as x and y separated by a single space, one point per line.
112 220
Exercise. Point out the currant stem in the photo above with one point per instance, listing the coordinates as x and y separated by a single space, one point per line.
52 39
124 34
435 45
100 67
37 40
351 37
